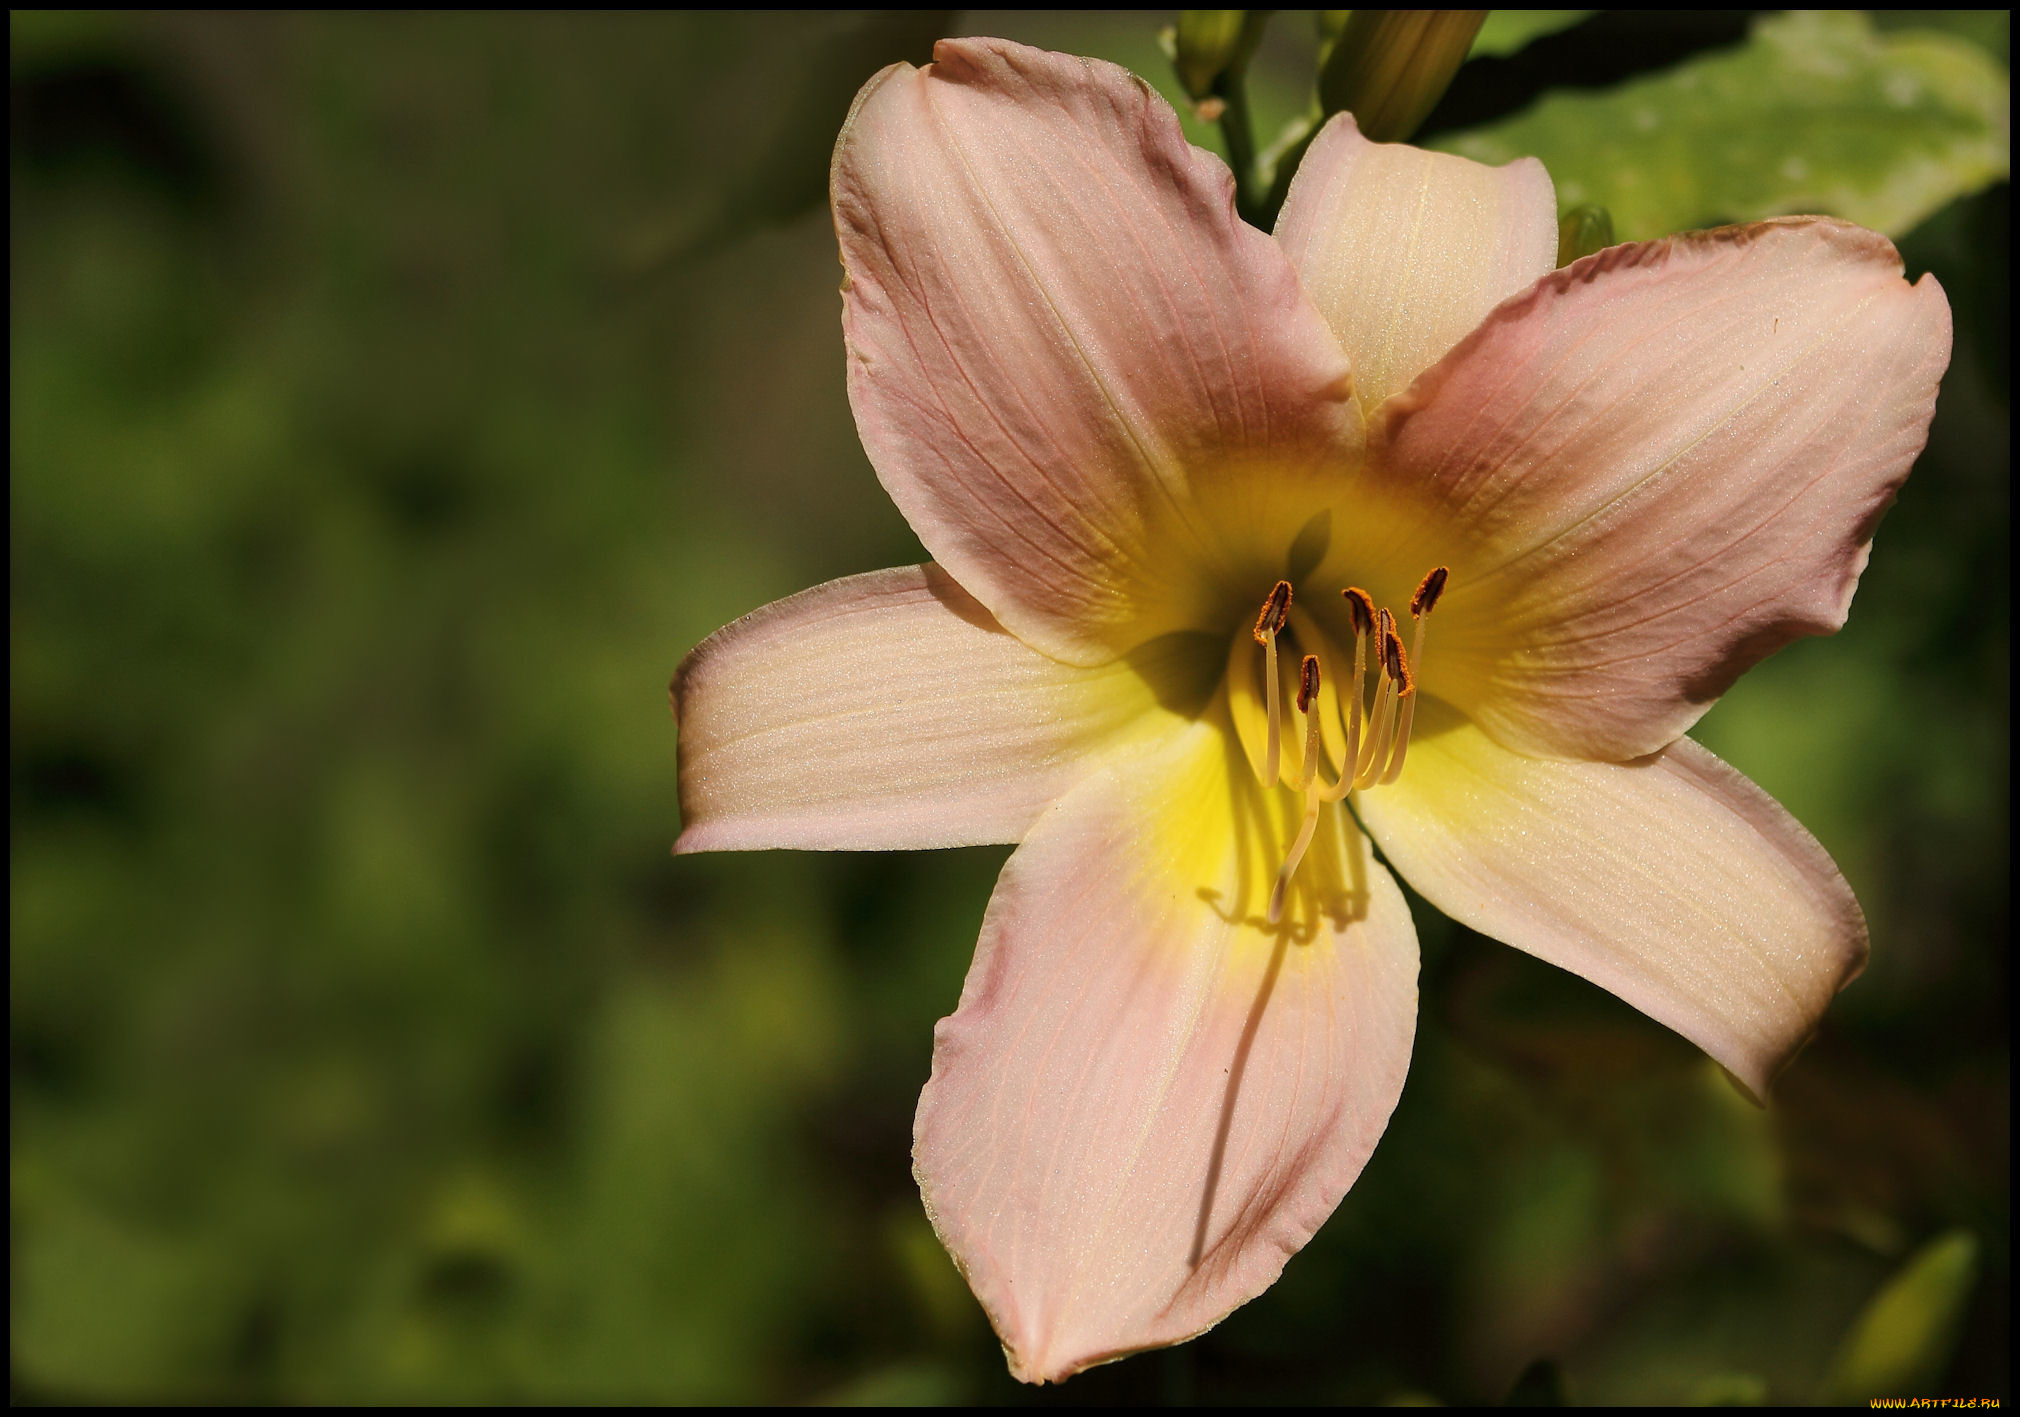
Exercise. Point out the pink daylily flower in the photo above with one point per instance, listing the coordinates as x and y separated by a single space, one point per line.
1118 417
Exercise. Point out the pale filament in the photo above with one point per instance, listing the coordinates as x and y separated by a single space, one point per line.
1375 760
1308 772
1382 720
1267 625
1308 705
1361 609
1428 591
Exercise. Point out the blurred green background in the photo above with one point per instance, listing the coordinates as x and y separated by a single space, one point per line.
397 399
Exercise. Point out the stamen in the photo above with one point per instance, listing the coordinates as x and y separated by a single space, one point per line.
1378 736
1361 607
1395 664
1360 610
1268 622
1421 604
1395 769
1375 748
1406 714
1375 752
1308 693
1428 591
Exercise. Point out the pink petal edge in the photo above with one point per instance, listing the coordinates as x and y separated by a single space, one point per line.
1655 468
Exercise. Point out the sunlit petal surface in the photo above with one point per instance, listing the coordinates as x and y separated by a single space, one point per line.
1671 881
1148 1100
1405 251
1058 330
1660 466
884 711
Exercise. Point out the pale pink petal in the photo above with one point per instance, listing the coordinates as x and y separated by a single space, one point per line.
1148 1100
1057 328
886 711
1659 466
1405 251
1672 881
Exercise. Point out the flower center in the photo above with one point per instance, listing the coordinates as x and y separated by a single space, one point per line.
1360 721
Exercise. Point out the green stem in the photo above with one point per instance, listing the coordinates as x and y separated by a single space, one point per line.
1237 130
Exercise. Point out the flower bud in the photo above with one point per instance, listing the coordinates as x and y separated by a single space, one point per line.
1206 44
1389 68
1583 230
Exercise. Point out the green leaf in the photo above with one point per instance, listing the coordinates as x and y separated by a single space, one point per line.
1730 1390
109 1311
1990 30
920 1382
1816 112
1903 1340
1507 31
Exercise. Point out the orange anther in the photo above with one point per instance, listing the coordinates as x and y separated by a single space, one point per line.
1397 664
1361 608
1270 619
1428 591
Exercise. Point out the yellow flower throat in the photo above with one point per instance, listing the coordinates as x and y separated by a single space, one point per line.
1367 737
